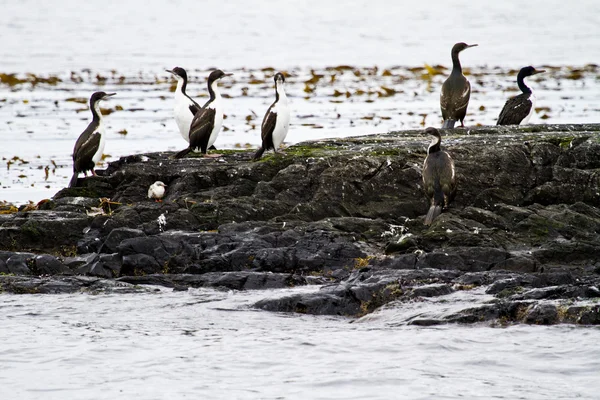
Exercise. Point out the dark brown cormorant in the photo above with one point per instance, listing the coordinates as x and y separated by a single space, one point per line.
456 91
207 122
90 144
276 122
519 109
439 179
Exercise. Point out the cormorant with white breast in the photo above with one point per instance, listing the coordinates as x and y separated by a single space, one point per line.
207 122
276 122
439 179
185 107
519 109
456 91
90 144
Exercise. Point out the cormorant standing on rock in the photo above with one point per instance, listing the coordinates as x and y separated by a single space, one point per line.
276 122
456 91
207 122
185 107
439 178
90 144
519 109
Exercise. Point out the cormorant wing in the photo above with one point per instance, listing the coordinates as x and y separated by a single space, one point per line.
268 125
85 148
454 97
201 128
515 110
194 107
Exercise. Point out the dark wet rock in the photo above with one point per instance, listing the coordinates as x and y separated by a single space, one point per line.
103 265
20 263
65 284
41 230
542 314
116 236
46 264
524 229
242 280
432 290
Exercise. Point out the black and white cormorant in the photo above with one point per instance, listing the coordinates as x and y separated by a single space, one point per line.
456 91
276 122
90 144
185 107
439 178
206 124
519 109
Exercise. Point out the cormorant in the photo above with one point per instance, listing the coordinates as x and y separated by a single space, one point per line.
276 122
456 91
90 144
519 109
439 178
185 107
207 122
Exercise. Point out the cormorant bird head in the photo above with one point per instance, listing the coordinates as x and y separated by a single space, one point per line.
97 96
529 70
216 75
179 73
279 78
458 47
435 143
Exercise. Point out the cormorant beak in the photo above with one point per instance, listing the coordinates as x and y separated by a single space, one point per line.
538 71
168 70
472 45
107 95
228 74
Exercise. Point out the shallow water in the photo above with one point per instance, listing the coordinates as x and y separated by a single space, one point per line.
210 345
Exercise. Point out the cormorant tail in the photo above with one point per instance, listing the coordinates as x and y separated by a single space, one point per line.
448 124
436 203
183 153
73 181
432 214
258 153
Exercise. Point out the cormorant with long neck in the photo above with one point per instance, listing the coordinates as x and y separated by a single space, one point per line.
519 109
185 107
90 144
439 178
276 122
456 91
207 122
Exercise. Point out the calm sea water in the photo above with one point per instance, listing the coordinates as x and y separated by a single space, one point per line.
139 35
210 345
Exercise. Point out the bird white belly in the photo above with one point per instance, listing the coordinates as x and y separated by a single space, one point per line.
183 115
218 107
526 119
282 125
98 154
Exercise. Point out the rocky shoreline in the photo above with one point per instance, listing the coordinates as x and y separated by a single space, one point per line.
346 214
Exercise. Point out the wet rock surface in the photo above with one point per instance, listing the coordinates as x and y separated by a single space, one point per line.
523 231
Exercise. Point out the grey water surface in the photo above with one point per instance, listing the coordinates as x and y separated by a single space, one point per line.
210 345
